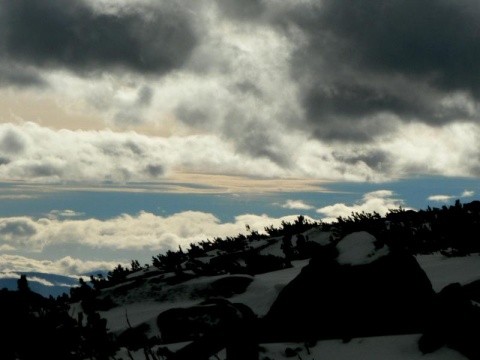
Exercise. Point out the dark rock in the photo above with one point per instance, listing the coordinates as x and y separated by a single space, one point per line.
473 290
389 295
93 304
289 352
472 207
231 285
228 263
33 327
186 324
179 278
212 325
260 264
453 321
136 338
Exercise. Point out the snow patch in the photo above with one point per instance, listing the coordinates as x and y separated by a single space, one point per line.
359 249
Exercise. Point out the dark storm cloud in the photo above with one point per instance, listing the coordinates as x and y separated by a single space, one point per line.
260 143
376 160
371 58
155 170
249 134
19 76
192 115
255 138
135 148
248 87
357 100
51 34
242 10
145 96
12 142
43 170
428 38
351 105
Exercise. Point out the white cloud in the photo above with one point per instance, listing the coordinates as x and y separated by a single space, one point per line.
43 154
449 150
19 232
447 198
95 156
441 198
41 281
6 247
66 266
16 197
380 201
135 232
297 205
468 193
144 231
8 275
54 214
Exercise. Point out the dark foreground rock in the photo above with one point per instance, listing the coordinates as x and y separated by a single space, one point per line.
354 288
453 320
213 326
328 299
191 323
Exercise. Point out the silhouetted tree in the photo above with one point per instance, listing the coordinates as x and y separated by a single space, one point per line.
22 284
135 265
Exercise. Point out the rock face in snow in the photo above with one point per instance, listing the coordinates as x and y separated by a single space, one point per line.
191 323
352 288
454 319
215 324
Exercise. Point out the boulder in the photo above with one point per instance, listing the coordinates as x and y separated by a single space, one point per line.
230 285
213 326
453 320
135 338
355 287
191 323
472 290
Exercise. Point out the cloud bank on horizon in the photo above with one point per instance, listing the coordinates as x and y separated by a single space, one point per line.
129 91
24 239
153 234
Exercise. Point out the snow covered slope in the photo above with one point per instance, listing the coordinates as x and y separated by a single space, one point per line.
141 304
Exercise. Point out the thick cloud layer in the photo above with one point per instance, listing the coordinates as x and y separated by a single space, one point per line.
436 40
242 10
52 34
34 153
364 62
144 231
20 77
326 89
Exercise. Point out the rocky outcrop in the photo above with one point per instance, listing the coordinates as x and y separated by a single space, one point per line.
191 323
212 325
356 287
453 320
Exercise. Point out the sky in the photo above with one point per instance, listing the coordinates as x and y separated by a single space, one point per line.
129 128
